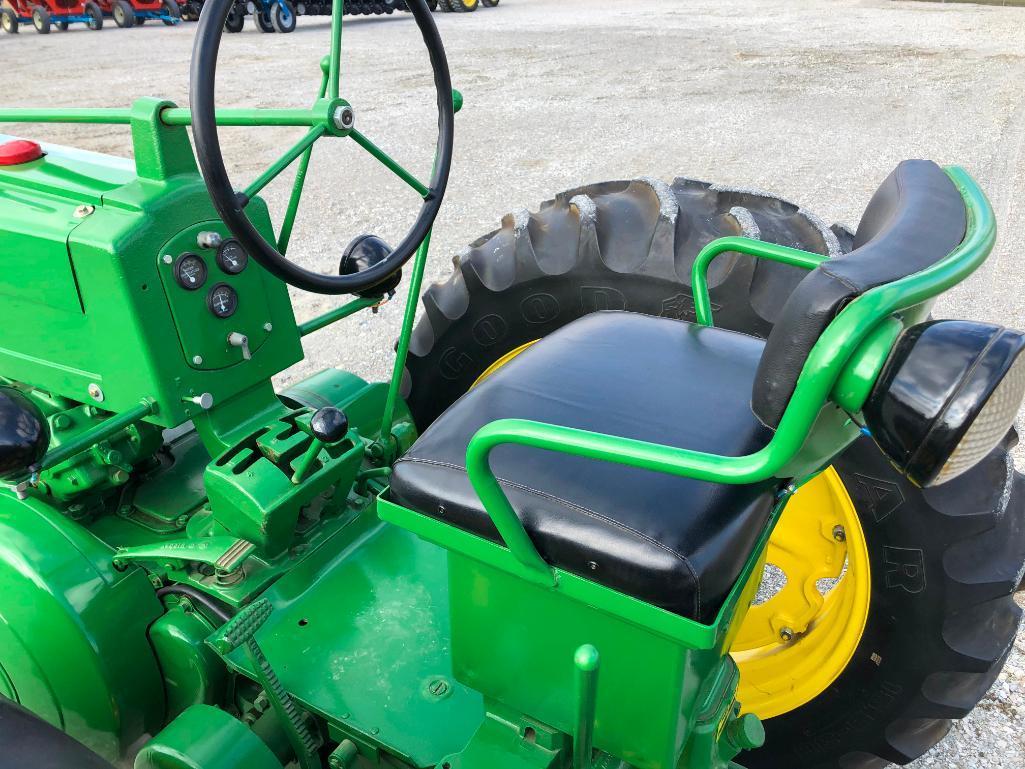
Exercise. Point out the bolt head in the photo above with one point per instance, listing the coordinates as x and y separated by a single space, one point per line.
95 392
786 635
168 259
197 360
83 211
268 327
839 534
344 117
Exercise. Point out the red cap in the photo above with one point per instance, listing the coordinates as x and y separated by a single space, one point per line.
19 151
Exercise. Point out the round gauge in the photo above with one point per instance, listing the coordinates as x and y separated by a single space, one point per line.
231 257
222 300
190 271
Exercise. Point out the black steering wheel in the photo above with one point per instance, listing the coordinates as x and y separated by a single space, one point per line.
330 116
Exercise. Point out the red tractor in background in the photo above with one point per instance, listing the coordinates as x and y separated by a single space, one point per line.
44 14
128 13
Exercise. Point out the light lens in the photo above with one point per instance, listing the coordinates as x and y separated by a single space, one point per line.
990 426
946 396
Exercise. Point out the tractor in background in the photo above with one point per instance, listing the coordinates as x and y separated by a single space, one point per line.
47 14
130 13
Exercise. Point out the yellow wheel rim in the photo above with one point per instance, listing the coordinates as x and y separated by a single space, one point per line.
501 362
795 644
792 646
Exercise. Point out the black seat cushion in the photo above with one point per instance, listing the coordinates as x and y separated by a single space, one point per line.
915 219
672 541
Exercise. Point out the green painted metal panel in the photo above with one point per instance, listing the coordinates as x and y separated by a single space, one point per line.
99 286
361 637
515 640
72 651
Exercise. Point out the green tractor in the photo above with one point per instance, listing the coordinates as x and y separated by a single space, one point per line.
668 476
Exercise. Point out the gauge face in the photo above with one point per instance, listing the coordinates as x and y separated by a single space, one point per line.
231 257
190 271
222 300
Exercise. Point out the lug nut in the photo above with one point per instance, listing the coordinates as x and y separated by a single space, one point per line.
786 635
344 117
839 534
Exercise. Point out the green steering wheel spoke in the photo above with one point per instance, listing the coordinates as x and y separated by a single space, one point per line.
335 67
288 222
285 161
297 186
390 163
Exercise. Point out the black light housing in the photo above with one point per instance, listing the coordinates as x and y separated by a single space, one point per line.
946 397
362 253
24 433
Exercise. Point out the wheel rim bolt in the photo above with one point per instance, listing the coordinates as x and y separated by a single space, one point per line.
839 534
786 635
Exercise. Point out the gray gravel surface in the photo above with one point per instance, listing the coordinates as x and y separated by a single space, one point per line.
813 100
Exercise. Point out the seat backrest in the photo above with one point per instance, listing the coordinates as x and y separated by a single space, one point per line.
916 218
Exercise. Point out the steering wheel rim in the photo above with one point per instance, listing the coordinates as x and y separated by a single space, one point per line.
230 204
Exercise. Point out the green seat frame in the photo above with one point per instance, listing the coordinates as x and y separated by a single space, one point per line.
517 621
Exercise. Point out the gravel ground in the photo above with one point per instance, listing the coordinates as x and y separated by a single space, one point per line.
813 100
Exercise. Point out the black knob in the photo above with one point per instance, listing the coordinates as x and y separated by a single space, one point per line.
362 253
329 424
24 433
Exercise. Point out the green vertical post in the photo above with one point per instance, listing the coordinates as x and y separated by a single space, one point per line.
586 662
408 318
335 69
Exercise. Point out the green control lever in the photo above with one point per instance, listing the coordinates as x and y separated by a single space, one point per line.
328 426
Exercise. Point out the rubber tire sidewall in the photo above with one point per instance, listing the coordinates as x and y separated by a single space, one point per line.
41 20
910 546
93 10
279 25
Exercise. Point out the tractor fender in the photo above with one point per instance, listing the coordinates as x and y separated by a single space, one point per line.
73 643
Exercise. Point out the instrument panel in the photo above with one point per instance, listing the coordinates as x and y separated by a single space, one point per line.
217 296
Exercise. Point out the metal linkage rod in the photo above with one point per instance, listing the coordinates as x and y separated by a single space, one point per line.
99 433
337 314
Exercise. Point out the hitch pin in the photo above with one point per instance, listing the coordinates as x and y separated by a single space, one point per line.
235 339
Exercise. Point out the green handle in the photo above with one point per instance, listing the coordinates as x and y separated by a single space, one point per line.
586 662
758 248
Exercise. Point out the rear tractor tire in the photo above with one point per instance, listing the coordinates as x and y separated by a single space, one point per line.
489 3
924 610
